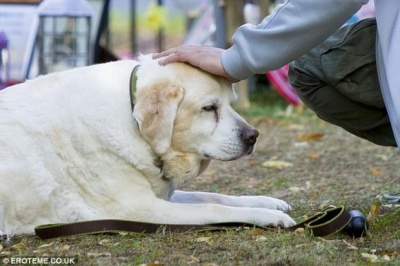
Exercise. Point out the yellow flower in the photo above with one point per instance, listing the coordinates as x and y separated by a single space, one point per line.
155 17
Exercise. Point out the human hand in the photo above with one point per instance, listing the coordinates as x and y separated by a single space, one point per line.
207 58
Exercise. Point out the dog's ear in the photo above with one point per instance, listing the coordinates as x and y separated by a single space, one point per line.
155 110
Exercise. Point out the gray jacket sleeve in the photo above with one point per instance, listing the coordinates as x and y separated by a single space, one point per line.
290 31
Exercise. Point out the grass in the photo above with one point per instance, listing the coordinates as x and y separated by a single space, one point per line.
341 175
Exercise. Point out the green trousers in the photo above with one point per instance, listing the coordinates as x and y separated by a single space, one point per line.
338 80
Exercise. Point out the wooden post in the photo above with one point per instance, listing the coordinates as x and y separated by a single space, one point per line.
234 19
160 33
264 8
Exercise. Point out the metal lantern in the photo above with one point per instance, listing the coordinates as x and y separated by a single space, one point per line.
63 35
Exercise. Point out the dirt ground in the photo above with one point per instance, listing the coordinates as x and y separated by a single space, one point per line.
300 159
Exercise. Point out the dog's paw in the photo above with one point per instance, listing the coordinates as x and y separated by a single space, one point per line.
280 205
266 202
278 219
286 221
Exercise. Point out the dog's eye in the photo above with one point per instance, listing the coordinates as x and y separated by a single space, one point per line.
210 108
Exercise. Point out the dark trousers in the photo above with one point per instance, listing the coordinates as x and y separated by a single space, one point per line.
338 80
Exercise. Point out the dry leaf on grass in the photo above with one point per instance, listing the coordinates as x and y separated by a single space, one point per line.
46 245
324 204
205 239
256 232
369 257
350 246
376 171
276 164
261 239
299 230
310 136
156 263
313 155
19 247
373 212
65 248
101 254
296 189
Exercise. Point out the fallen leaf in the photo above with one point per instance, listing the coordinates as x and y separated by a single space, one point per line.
369 257
105 242
350 246
310 137
373 212
276 164
263 120
19 246
46 245
324 204
376 171
204 239
192 259
296 127
102 254
301 144
313 155
65 248
295 189
299 231
256 232
151 264
314 196
261 239
1 247
5 253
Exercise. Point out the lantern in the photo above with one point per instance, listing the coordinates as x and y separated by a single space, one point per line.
63 35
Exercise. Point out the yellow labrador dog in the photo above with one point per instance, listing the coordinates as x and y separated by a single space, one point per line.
72 149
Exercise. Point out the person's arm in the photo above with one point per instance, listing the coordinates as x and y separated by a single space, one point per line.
290 31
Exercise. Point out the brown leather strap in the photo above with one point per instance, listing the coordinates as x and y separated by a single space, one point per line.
112 226
323 223
330 221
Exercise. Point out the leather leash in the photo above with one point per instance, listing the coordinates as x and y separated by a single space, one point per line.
330 221
327 222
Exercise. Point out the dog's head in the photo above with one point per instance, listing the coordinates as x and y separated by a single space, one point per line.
186 117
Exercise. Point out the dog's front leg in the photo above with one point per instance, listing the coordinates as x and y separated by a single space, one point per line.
166 212
235 201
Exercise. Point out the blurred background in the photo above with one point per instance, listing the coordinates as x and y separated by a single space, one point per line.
44 36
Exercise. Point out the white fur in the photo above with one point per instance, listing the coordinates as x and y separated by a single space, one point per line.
71 149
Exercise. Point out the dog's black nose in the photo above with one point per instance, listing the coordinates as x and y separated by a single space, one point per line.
249 135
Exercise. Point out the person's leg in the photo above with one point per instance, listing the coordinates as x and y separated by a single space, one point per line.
338 81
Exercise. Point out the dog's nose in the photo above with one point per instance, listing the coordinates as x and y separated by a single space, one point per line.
249 135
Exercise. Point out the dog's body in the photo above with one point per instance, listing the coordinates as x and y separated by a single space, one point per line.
71 150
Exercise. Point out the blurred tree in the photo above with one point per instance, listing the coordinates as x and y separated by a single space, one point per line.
235 13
